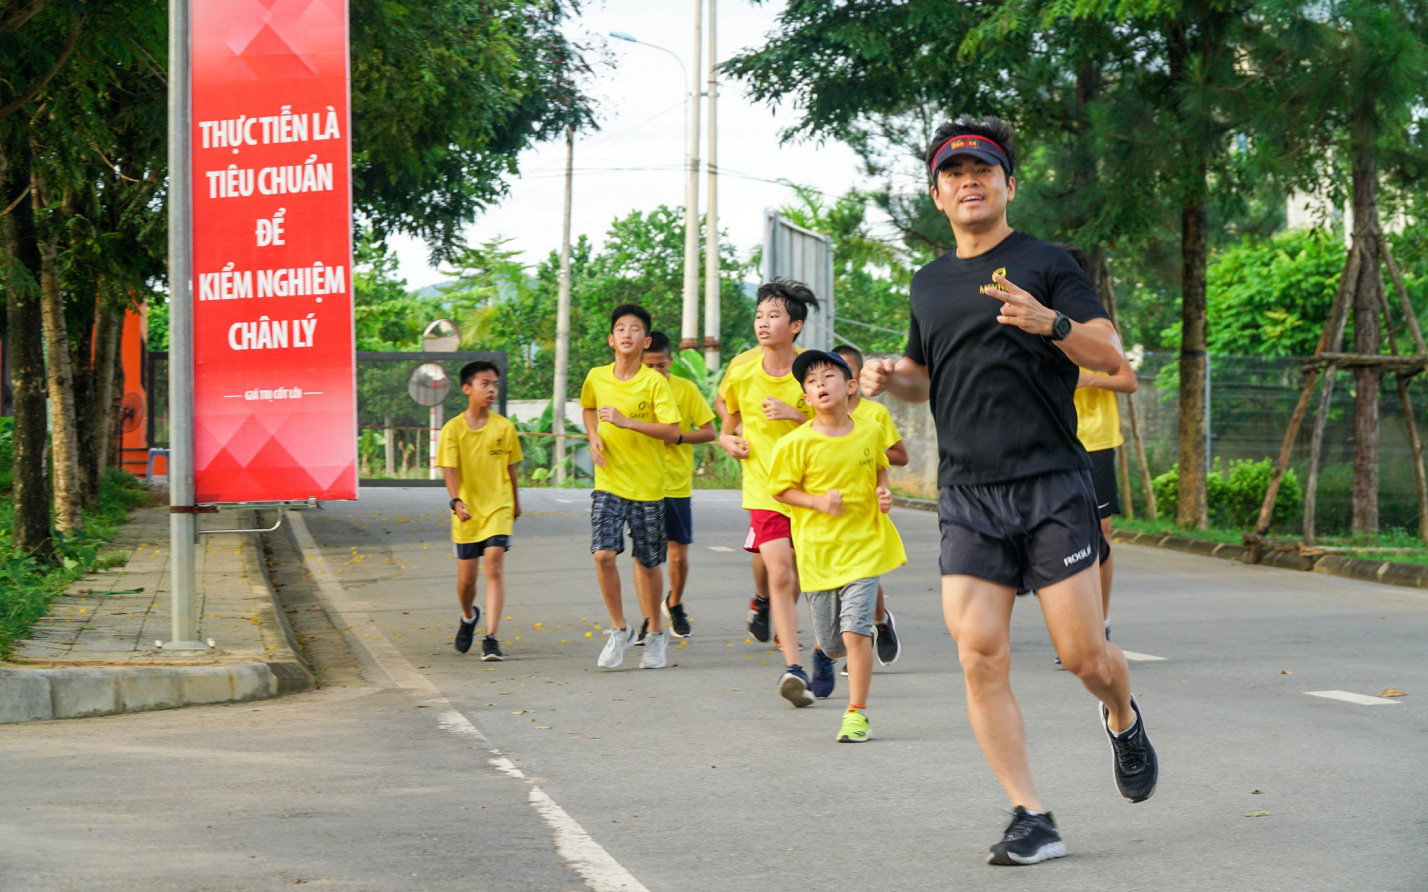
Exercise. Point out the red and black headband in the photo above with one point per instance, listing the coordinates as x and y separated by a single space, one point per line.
969 144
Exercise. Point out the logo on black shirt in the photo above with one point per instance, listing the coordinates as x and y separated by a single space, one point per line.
1000 271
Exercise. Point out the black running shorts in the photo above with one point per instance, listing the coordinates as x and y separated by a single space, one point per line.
1103 478
1027 533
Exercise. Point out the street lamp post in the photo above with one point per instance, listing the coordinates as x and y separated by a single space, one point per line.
689 322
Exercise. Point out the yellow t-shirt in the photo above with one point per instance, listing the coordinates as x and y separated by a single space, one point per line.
634 463
860 542
754 352
694 413
482 460
1098 419
877 413
745 388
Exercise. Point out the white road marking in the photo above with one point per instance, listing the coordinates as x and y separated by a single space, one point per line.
579 849
1350 697
720 548
1141 658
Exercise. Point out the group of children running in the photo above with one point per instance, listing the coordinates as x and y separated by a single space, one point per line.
814 457
1009 344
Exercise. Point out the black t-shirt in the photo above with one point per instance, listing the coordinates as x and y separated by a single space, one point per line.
1001 398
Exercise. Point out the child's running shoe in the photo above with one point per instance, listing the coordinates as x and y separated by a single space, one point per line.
1028 839
885 641
823 680
759 618
466 632
676 617
617 641
654 651
793 686
855 727
491 650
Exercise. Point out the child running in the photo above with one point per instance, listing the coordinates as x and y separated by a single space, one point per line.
629 413
696 425
765 402
478 451
833 473
885 641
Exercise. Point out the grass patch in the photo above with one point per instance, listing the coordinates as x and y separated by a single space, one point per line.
1168 527
26 586
1394 545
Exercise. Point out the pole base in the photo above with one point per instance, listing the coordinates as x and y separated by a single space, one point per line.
183 646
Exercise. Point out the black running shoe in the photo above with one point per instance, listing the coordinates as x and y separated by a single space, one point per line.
759 618
823 680
491 650
677 618
466 632
1137 768
1029 839
885 640
640 638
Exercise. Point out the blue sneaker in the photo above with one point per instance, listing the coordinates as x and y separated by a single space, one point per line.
793 686
823 679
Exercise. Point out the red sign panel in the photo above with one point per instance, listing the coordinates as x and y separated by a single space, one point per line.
275 414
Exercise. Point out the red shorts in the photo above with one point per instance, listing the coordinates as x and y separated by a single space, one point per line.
766 526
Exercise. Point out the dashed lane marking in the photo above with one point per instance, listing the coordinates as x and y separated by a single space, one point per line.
1141 658
1351 697
720 548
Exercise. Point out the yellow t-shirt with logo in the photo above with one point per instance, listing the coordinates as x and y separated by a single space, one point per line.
694 413
745 388
862 541
755 352
482 459
634 463
877 413
1098 419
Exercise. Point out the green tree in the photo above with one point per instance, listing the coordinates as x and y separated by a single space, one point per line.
1270 297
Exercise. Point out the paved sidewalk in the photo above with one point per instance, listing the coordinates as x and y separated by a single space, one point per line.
94 652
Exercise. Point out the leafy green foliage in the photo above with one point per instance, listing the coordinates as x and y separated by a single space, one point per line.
1234 499
1272 297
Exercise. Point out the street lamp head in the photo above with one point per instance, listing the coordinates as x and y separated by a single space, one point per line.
621 35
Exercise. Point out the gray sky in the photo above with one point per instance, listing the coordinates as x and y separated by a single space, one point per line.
636 160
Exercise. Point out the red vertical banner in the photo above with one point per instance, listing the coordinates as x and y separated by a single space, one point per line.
275 414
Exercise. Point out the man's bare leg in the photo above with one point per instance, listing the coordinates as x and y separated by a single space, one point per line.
1072 608
978 614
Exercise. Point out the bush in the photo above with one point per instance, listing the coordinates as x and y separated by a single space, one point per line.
1234 499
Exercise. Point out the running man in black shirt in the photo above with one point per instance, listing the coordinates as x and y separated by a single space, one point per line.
997 332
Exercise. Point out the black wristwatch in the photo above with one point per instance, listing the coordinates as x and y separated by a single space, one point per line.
453 503
1061 327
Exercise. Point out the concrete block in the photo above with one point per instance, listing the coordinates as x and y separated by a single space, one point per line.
205 684
290 677
253 681
25 696
85 692
144 689
1415 575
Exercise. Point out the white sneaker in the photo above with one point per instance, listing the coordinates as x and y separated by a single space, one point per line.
654 650
617 641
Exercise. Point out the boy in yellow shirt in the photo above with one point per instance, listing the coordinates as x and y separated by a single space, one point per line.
696 425
833 474
764 403
885 641
478 451
630 414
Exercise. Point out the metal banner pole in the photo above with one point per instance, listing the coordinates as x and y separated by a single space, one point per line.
183 522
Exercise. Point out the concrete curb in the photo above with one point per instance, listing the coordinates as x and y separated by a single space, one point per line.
1365 570
44 694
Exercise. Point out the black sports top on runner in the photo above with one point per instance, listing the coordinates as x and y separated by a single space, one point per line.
1001 398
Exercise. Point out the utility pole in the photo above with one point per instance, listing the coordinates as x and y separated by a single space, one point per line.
562 317
711 222
689 323
183 521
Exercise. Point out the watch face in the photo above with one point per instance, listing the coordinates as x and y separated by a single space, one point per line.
1061 327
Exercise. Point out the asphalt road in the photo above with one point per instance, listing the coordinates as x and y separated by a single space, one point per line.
433 770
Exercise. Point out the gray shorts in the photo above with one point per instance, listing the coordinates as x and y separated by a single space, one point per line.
850 608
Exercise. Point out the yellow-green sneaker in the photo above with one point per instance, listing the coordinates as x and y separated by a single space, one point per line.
855 728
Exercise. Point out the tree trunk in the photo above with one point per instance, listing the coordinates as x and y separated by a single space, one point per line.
68 489
1368 303
108 327
31 485
1192 512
